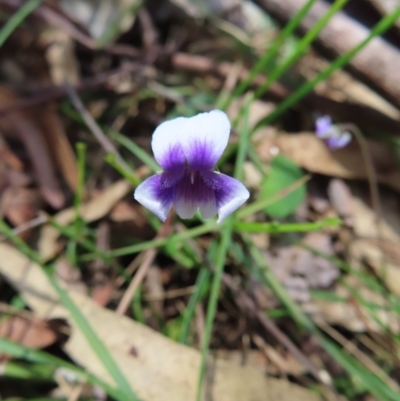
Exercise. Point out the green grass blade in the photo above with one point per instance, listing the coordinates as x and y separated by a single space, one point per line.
137 151
221 255
272 51
200 285
93 340
158 242
384 24
129 176
301 48
19 351
17 19
278 228
213 301
190 233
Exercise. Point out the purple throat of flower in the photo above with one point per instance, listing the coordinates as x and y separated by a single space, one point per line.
187 149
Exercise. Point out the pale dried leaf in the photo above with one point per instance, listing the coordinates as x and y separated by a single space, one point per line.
351 314
309 152
365 219
376 254
341 198
20 204
169 367
97 208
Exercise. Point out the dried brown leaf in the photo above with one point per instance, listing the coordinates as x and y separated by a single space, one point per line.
62 153
24 125
311 153
30 333
19 204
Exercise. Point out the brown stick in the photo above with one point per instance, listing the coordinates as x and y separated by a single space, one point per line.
377 64
386 7
148 259
201 64
49 93
58 20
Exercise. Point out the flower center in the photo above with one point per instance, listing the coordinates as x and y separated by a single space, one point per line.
192 174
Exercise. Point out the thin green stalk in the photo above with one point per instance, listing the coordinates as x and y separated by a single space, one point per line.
213 301
21 352
261 204
277 228
136 150
384 24
301 48
158 242
17 19
197 231
270 54
81 156
221 255
111 160
243 140
91 336
78 224
28 371
200 285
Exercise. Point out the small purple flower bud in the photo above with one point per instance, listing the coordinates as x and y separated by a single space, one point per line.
322 126
188 150
333 135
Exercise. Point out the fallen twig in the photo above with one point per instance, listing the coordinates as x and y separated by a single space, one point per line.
148 258
379 72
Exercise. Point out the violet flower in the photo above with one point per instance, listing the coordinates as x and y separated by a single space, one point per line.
188 150
333 135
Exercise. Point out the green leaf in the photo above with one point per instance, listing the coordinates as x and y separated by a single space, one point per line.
283 174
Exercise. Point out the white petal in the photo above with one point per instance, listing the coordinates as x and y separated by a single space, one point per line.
205 138
241 194
208 208
166 144
229 192
155 196
185 208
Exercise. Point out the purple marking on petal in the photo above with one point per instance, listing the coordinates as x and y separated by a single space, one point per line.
322 126
205 139
201 156
229 193
166 144
192 193
157 193
173 159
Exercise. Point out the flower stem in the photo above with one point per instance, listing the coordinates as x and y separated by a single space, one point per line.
213 301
